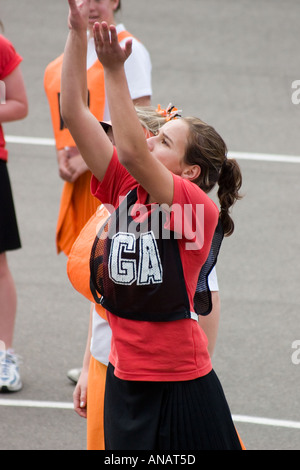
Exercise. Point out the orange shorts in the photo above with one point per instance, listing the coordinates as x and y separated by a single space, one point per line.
95 405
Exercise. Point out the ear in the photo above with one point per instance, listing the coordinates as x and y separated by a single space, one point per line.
116 4
191 172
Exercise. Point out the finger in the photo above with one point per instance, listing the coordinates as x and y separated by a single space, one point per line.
72 5
97 35
83 400
105 32
113 35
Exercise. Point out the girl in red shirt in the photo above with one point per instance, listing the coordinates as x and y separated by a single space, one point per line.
161 390
13 106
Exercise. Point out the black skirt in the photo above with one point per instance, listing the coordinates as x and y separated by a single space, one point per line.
162 416
9 233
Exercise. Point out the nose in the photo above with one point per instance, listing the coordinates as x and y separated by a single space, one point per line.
150 143
92 5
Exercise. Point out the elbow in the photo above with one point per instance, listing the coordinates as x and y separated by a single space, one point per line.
133 155
66 116
25 110
125 158
64 111
128 160
22 110
70 111
66 108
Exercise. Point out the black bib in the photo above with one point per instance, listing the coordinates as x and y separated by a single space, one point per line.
136 268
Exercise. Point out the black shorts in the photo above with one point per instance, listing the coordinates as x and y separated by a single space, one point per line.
9 233
162 416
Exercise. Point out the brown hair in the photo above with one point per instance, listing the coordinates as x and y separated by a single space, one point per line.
119 6
207 149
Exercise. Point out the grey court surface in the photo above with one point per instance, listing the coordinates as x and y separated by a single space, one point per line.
231 62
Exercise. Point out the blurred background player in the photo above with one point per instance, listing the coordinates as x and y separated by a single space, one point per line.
14 106
77 204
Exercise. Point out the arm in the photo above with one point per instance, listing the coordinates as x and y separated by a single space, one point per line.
80 392
92 142
130 140
142 101
16 104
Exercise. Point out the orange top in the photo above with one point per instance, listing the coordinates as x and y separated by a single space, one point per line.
77 204
96 98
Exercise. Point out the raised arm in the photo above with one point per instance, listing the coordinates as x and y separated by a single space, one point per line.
133 151
91 140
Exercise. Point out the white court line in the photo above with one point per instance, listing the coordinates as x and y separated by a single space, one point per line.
69 406
266 421
37 404
16 139
237 155
262 157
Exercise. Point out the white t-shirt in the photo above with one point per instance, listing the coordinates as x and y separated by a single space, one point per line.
138 68
101 331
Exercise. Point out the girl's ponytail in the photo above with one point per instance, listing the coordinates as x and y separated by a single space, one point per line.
230 182
207 149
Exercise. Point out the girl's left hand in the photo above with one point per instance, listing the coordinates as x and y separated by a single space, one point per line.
109 51
78 14
80 394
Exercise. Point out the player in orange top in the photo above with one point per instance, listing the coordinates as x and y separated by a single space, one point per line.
77 203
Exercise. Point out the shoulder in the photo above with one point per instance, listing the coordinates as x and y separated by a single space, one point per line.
9 58
5 44
54 64
187 192
193 214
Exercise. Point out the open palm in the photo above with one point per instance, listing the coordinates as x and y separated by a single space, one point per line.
108 49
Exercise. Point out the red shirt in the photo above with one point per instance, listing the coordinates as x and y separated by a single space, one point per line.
9 60
161 351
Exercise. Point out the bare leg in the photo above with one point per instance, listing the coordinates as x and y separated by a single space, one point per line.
8 303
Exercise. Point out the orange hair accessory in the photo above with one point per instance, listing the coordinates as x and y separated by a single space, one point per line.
169 113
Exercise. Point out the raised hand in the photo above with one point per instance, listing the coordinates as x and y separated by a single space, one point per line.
109 51
78 14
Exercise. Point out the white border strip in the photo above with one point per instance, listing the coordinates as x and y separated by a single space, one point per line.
262 157
69 406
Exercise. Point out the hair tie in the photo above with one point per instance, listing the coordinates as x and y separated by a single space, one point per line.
169 113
